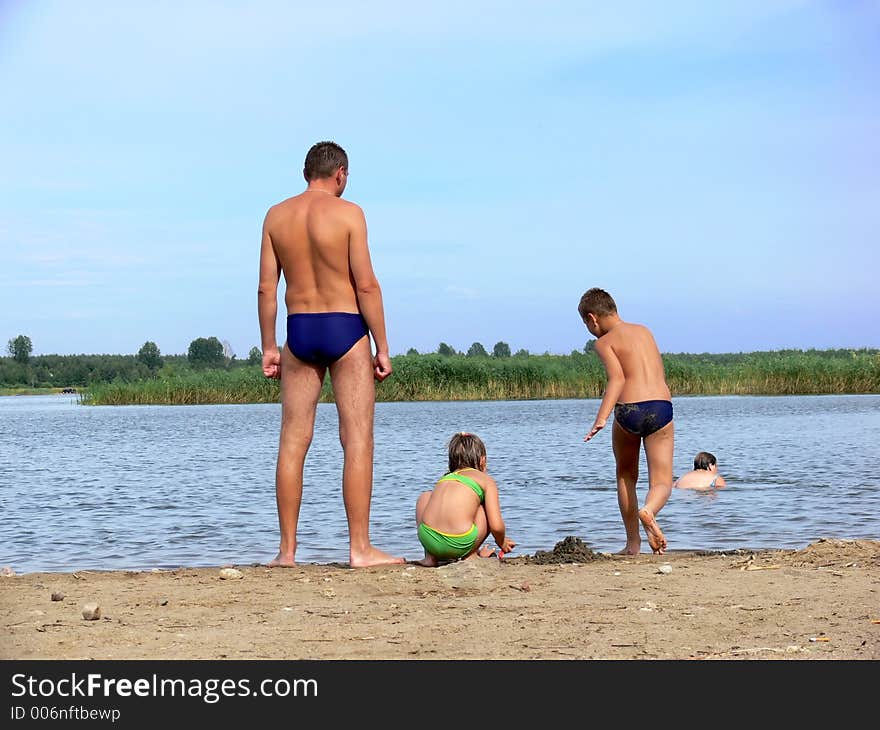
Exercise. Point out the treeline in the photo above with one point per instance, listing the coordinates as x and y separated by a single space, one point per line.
21 369
432 376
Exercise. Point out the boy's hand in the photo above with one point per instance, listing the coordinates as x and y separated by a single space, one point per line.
597 426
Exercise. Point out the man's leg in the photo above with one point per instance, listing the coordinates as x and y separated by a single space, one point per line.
659 447
626 456
300 390
355 395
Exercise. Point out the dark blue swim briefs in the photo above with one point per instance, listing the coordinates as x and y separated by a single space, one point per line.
643 418
321 338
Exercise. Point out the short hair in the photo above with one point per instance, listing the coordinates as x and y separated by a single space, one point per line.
704 460
324 159
596 301
465 450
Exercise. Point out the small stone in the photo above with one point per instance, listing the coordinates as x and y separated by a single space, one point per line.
665 569
162 601
57 596
230 574
91 612
6 571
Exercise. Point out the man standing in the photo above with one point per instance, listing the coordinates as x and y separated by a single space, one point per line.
334 303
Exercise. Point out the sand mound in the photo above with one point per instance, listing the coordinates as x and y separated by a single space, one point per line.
569 550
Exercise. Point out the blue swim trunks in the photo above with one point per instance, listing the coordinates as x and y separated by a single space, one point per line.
321 338
643 418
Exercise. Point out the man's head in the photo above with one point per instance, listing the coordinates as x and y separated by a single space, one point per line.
595 304
326 159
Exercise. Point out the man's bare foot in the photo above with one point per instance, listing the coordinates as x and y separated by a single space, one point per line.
282 561
655 536
629 550
372 556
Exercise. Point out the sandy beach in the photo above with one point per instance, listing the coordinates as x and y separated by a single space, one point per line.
820 602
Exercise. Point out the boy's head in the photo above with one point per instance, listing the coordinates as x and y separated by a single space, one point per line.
704 460
323 160
597 302
466 450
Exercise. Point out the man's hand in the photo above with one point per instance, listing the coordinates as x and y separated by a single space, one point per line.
381 366
272 363
597 426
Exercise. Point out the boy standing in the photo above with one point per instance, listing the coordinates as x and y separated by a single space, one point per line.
638 394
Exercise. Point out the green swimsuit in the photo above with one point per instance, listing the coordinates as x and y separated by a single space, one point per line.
444 545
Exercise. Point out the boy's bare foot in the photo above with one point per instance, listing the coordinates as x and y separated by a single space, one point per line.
429 561
282 561
486 552
372 556
655 536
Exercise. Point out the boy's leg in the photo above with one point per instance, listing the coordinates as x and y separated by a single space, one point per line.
659 447
626 456
355 394
300 389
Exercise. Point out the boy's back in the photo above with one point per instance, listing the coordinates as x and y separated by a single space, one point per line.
633 347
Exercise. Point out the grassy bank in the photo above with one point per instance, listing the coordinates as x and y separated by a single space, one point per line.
24 390
435 378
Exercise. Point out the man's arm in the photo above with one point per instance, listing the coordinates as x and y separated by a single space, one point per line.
267 304
369 293
613 389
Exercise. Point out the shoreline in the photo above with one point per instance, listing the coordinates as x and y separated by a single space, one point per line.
820 602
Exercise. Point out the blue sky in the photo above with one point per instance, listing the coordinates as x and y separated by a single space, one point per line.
715 166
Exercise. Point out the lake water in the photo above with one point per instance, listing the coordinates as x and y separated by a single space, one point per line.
140 487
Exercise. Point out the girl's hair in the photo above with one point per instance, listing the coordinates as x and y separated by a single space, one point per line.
465 450
704 460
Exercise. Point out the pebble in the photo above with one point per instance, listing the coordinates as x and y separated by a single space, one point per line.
91 612
665 569
230 574
7 571
57 596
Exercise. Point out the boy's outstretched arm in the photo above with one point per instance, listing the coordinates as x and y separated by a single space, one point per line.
613 389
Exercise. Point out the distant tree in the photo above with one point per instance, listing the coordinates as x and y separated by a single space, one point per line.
521 353
206 352
589 347
412 351
20 349
445 350
150 356
477 350
501 349
255 357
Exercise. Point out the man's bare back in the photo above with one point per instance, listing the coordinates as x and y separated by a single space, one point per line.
310 235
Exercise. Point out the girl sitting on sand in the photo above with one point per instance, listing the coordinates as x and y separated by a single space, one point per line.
454 519
704 476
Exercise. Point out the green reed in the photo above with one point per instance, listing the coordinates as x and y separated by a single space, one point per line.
434 378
